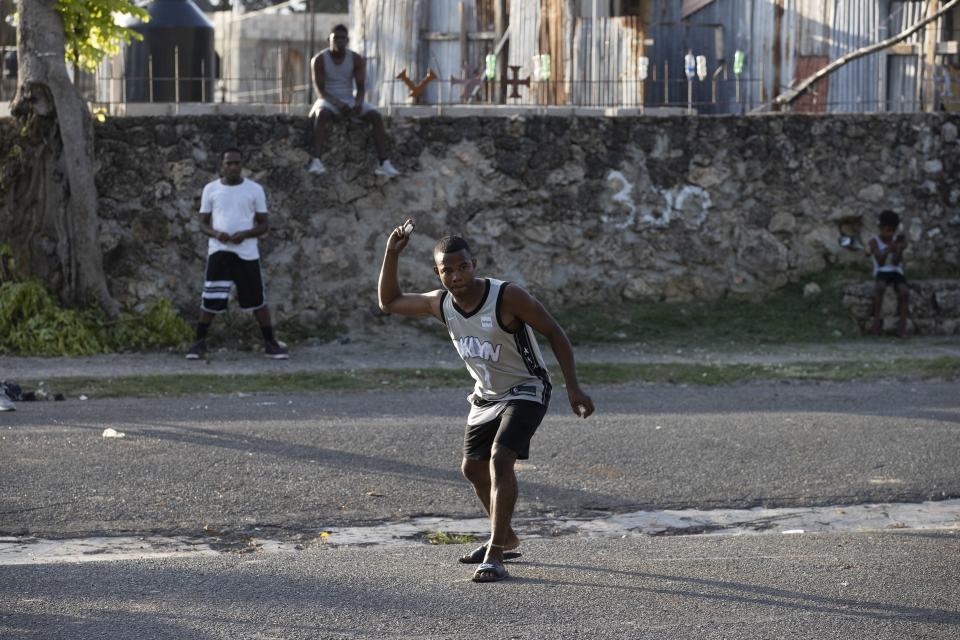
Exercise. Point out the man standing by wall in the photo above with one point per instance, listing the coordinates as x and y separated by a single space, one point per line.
233 213
339 78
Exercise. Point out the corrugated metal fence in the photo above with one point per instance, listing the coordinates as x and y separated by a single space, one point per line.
563 54
596 61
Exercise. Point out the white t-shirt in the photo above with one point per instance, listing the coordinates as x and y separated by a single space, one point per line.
232 209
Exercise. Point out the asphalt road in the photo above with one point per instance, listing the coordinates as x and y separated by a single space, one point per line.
293 464
865 586
296 463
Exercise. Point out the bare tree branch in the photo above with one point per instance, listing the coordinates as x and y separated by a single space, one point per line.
791 94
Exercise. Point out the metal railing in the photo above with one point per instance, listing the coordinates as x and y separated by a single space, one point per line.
261 90
713 96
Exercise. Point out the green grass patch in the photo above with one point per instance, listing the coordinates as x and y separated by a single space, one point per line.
590 374
783 317
442 537
719 374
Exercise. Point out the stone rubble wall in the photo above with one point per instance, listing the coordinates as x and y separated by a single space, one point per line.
934 307
578 210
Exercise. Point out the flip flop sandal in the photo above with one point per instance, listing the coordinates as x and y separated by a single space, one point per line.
484 571
477 555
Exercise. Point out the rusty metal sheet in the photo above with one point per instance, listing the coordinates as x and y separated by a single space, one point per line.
902 90
616 82
854 88
817 99
443 56
810 22
386 34
524 43
485 14
552 39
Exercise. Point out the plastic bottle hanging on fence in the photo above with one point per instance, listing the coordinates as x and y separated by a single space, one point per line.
690 65
702 68
738 60
541 67
644 67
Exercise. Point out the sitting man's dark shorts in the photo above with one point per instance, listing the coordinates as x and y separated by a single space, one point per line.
891 277
513 429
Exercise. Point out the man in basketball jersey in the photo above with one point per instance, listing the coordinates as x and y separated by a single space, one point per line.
491 324
339 78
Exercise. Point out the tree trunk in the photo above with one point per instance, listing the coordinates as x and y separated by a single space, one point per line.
52 198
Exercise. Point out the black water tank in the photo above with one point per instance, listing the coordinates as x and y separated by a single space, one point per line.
178 39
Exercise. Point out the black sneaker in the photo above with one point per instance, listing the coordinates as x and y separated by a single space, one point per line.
198 350
276 350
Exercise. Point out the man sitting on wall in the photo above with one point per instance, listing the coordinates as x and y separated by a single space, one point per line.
339 75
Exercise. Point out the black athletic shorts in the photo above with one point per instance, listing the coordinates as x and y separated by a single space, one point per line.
891 277
513 429
225 268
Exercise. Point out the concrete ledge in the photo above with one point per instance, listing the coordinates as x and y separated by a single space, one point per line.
203 108
520 110
394 111
135 109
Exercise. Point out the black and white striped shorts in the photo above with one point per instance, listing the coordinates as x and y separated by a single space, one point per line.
225 268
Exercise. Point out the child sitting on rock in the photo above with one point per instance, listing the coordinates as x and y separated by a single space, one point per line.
886 248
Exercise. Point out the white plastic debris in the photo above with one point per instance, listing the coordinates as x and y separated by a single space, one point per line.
83 397
113 433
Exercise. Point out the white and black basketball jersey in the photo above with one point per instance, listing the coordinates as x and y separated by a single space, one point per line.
338 78
505 365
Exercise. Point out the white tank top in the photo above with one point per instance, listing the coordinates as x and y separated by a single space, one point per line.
889 267
338 78
505 366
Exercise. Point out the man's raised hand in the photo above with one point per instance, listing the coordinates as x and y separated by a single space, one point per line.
400 237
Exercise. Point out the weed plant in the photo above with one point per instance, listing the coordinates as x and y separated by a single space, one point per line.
33 323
